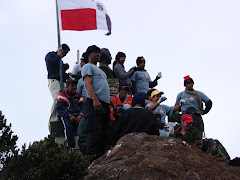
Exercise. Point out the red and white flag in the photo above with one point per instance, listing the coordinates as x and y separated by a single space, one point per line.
81 15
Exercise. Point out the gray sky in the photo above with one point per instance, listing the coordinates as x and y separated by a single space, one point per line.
178 38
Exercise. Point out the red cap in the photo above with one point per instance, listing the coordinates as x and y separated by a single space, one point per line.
187 77
187 118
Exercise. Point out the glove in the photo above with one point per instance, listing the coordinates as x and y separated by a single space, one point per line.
182 102
161 99
159 75
134 68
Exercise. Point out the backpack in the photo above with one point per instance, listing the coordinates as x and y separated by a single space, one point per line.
235 162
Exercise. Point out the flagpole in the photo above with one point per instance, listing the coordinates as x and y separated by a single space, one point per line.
59 48
77 57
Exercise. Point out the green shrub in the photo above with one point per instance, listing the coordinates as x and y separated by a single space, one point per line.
8 141
46 160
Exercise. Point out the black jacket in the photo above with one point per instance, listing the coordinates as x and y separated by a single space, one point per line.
136 120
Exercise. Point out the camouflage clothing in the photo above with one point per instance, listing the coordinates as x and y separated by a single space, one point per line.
215 148
190 137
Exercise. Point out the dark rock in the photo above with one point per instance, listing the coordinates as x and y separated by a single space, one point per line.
141 156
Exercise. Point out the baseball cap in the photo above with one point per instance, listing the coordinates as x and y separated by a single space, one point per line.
187 118
156 92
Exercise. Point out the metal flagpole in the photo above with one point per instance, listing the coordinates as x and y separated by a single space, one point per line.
77 57
59 49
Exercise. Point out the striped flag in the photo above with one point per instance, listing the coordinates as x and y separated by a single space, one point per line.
81 15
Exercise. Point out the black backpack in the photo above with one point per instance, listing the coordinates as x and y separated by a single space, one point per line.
235 162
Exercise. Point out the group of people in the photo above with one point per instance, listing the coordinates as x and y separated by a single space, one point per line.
100 121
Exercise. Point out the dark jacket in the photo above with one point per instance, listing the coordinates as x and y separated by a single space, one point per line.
52 63
67 105
190 137
136 120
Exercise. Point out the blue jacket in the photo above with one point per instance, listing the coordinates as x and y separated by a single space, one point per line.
68 105
52 62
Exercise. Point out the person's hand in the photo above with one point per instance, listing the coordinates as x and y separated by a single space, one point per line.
182 102
161 99
97 105
78 118
66 66
159 75
72 119
70 74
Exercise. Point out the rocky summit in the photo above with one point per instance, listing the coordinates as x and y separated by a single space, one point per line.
141 156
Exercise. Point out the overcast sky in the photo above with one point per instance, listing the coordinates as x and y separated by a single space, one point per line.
177 38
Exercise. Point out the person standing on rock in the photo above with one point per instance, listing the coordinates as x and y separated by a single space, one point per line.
97 112
53 60
141 81
105 60
194 99
119 69
136 119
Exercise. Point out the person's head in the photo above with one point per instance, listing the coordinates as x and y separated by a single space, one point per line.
123 89
140 62
121 57
105 56
93 53
138 100
188 83
65 49
149 94
71 86
186 121
155 95
84 59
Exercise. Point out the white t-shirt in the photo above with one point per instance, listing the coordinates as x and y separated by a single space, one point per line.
76 69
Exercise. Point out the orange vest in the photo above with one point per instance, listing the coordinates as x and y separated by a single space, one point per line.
117 101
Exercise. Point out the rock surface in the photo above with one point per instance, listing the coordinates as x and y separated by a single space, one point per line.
140 156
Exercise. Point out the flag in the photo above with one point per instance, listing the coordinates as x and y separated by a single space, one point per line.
81 15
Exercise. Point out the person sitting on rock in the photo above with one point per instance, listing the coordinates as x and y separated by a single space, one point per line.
123 97
149 98
197 120
105 60
190 134
68 110
141 81
194 99
136 119
164 110
187 132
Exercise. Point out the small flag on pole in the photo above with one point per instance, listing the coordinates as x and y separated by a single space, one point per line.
81 15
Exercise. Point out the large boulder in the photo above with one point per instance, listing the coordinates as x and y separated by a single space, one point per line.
141 156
